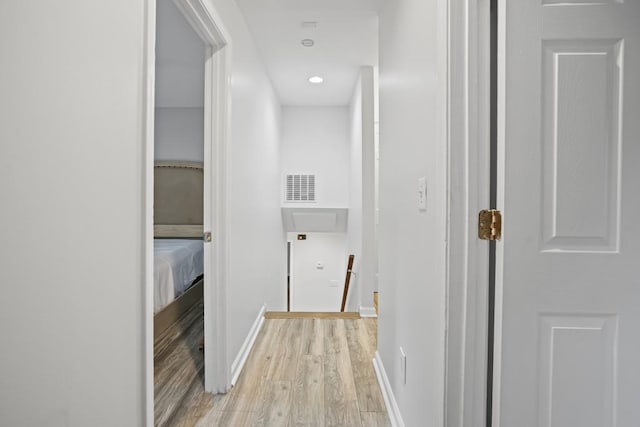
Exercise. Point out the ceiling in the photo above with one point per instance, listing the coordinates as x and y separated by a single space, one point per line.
345 36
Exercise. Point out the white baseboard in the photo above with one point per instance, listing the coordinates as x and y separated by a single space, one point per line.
368 312
241 358
387 393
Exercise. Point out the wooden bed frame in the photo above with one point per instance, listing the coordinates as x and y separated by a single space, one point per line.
172 312
178 208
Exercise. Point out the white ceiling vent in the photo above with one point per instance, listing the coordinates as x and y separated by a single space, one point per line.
300 188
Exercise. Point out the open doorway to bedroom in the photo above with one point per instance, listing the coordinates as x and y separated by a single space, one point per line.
186 163
178 212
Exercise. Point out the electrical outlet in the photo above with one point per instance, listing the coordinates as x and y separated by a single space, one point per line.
403 366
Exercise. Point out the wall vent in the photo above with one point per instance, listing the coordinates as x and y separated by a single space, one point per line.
300 188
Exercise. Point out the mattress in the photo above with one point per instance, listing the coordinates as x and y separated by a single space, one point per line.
177 263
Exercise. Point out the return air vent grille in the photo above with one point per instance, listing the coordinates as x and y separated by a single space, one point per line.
300 188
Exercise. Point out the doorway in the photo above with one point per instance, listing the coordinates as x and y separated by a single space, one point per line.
210 30
178 276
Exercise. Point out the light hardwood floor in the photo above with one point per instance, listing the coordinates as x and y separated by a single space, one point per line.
301 372
179 370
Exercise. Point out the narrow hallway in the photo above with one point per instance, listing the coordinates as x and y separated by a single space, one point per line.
307 372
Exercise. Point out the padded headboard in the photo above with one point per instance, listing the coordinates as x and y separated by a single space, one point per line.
178 192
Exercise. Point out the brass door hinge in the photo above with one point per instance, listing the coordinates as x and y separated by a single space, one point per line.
490 224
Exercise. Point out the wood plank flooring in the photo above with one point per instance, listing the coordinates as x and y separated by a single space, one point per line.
179 369
300 372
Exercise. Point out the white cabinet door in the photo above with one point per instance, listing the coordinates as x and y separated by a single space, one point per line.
568 273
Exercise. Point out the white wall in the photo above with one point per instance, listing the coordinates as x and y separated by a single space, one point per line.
354 224
316 139
179 134
412 243
180 55
361 226
257 243
318 287
71 156
179 87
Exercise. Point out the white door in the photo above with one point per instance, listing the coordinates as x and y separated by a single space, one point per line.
568 273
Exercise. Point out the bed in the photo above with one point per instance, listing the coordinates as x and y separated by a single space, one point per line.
177 265
178 245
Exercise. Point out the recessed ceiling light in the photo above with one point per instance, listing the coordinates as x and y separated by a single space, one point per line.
307 42
316 79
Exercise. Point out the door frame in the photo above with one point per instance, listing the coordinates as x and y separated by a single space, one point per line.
469 168
208 25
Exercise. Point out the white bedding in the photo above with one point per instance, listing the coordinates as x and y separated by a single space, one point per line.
177 263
